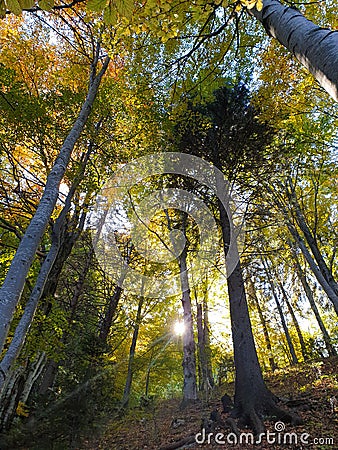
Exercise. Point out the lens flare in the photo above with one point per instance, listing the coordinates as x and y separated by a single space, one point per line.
179 328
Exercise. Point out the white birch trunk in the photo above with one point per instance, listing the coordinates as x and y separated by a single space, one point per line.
314 47
11 290
33 375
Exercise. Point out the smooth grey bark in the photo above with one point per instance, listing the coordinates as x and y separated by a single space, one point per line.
308 292
33 375
314 47
11 290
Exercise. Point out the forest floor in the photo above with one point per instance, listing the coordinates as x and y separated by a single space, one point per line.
310 390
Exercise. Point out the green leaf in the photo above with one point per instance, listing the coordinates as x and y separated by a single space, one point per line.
46 5
125 8
96 5
26 4
14 6
2 9
110 14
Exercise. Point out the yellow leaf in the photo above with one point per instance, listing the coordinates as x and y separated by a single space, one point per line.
46 5
22 410
259 5
251 4
14 6
96 5
238 7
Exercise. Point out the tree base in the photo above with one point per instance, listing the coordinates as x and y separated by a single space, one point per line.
251 414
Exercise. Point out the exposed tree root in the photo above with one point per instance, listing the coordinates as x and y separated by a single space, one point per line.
253 415
247 416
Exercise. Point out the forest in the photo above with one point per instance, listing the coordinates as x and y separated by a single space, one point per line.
168 224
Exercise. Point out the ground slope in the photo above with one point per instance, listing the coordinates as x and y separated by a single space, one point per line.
311 390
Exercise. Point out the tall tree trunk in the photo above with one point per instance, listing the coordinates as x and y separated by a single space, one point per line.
130 371
309 237
332 295
17 388
314 47
294 358
272 363
11 290
308 292
313 266
295 322
251 394
252 398
206 333
204 385
150 365
200 346
10 396
33 374
189 348
189 358
206 381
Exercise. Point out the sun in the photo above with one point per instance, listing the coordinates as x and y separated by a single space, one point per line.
179 328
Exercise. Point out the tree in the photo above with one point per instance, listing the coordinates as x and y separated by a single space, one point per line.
227 132
206 379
